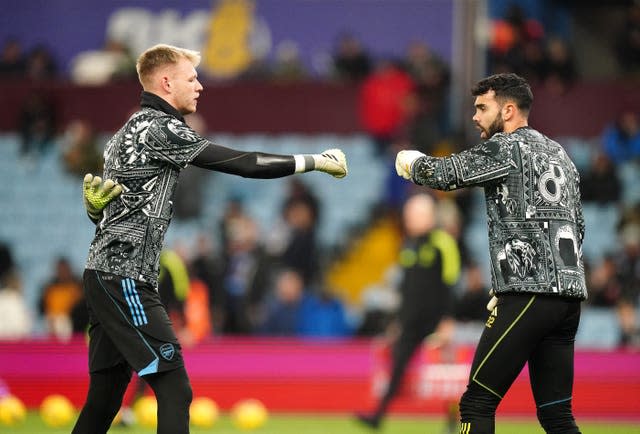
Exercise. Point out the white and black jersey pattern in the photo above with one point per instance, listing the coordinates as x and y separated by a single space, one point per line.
145 157
533 204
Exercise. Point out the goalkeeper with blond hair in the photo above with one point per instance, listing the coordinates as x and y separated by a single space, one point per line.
129 327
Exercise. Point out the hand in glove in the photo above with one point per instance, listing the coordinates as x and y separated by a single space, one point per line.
404 162
97 194
331 161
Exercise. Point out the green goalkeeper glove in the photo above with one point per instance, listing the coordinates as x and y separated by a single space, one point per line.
331 161
97 194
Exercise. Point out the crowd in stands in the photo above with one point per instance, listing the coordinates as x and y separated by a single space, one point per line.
274 284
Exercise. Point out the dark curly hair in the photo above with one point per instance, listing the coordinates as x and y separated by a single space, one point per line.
507 86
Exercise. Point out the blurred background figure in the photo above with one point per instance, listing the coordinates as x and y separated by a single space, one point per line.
628 274
246 275
205 269
288 66
81 152
96 67
386 103
431 77
430 262
621 139
59 297
16 318
351 62
37 125
283 308
12 61
292 243
559 72
471 306
40 64
601 183
628 41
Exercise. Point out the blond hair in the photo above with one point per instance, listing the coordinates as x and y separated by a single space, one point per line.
161 55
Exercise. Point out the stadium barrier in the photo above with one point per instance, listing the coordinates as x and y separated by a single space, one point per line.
324 376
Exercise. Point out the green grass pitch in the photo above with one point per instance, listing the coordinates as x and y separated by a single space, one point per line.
338 424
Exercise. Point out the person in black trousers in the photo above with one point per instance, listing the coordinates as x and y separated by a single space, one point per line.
536 229
430 260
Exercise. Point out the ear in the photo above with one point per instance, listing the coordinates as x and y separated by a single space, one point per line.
509 110
165 83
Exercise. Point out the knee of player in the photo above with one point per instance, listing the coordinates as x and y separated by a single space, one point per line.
557 417
478 401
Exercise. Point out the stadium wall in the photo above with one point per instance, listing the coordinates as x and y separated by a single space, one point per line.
305 107
323 376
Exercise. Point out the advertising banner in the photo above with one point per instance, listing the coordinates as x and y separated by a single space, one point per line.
231 33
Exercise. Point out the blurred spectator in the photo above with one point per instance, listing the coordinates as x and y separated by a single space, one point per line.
40 64
604 286
297 190
37 124
246 275
98 67
287 66
205 267
431 77
621 139
560 70
12 61
386 103
80 149
601 184
510 37
59 296
472 305
323 315
7 264
451 220
351 62
197 314
15 317
628 273
283 309
628 44
292 243
173 286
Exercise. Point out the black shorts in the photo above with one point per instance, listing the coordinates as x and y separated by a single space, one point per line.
128 324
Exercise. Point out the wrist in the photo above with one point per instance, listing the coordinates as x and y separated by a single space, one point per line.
304 163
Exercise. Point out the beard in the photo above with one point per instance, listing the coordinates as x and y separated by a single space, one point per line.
497 126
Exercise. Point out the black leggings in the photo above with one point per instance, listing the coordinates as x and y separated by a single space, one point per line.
523 328
107 387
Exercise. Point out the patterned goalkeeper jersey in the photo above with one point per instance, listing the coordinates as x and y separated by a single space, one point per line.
145 157
533 205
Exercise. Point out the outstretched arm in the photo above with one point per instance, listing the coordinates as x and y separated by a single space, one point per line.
264 165
475 166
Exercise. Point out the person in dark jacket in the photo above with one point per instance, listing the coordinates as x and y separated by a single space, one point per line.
430 261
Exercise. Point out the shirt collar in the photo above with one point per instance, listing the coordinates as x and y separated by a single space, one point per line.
148 99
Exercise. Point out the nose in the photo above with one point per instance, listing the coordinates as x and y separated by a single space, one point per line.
199 87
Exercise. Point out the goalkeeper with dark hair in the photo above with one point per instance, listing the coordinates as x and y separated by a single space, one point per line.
536 228
129 326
